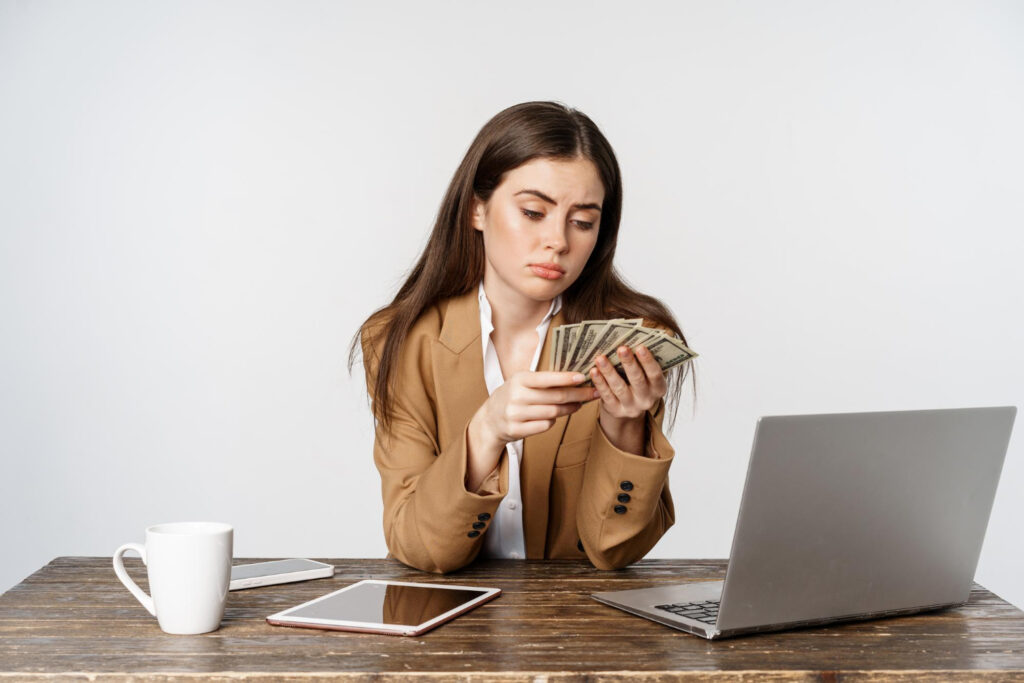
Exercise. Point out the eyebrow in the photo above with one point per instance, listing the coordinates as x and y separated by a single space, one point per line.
549 200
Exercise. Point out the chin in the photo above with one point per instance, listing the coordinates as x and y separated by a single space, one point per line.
547 289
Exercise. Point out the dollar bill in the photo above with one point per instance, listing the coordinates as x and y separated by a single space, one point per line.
585 338
669 351
564 341
636 337
576 346
609 337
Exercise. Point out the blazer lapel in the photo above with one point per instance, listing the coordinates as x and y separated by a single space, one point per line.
458 368
539 452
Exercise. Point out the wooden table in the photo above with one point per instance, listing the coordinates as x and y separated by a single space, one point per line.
72 618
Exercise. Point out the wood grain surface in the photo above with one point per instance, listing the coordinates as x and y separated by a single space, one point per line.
74 619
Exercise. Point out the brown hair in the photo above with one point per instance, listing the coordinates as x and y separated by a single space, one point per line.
453 260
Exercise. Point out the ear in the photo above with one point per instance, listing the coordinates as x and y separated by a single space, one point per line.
477 214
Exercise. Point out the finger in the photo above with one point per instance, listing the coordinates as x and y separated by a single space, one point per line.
551 378
617 385
635 373
546 412
536 427
654 373
605 392
557 395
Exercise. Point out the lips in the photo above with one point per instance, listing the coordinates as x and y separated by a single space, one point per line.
548 271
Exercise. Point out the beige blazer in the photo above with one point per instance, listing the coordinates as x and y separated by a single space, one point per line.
582 496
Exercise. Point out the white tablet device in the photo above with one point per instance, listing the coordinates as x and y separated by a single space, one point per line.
277 571
390 607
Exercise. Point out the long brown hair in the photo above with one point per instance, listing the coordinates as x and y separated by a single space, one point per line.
453 260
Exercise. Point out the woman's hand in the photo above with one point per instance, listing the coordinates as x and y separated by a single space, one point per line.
529 403
622 400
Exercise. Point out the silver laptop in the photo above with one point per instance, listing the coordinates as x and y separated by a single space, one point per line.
847 516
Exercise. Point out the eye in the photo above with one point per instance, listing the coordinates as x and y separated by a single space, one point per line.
536 215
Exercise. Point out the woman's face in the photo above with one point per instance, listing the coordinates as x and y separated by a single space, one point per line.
544 212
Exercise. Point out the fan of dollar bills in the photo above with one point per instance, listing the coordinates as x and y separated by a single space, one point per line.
577 345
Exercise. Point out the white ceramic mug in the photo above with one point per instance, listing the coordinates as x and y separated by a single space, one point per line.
189 568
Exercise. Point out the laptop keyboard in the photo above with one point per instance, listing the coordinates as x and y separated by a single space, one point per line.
704 610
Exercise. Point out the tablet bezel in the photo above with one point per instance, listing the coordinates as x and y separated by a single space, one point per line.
282 618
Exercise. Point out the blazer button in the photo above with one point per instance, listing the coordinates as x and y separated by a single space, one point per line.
623 497
478 525
473 534
579 544
484 516
626 486
620 509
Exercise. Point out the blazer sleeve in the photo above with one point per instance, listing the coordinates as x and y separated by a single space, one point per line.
615 532
429 515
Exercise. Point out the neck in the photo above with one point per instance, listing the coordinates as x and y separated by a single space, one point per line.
511 312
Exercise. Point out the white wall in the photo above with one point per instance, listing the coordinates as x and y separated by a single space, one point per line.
201 201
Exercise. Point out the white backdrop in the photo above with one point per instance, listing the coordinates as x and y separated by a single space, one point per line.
201 202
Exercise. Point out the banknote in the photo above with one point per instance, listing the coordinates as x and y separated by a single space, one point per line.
636 337
564 340
585 338
576 346
609 336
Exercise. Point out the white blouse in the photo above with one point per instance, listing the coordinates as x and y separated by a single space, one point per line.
504 537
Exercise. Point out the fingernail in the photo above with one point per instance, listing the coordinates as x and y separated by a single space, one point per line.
578 377
597 393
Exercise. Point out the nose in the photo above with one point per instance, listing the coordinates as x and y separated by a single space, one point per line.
555 236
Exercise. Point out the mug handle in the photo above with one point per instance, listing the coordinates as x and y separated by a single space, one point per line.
139 594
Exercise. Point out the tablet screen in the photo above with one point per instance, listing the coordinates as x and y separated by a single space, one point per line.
380 603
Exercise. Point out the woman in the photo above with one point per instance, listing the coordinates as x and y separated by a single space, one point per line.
482 449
